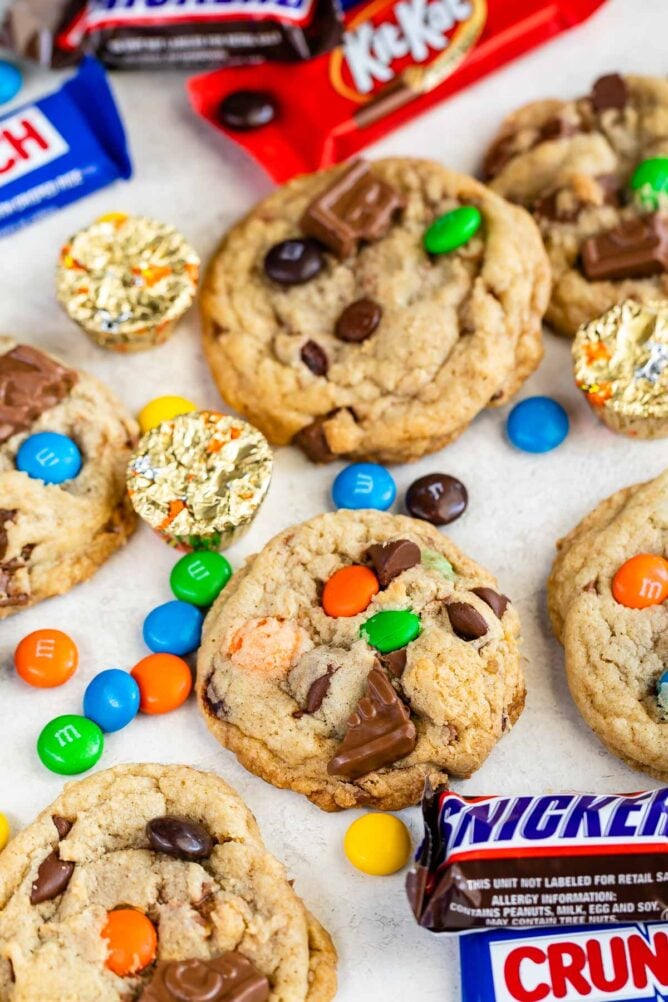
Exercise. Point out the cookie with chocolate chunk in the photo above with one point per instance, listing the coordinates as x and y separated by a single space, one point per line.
54 536
180 849
574 164
328 324
357 655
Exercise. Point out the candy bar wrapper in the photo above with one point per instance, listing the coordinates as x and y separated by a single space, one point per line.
62 147
397 58
558 859
129 34
624 963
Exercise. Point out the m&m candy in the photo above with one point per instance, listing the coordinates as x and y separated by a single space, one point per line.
662 692
173 628
132 942
70 744
46 658
537 424
49 456
641 581
391 629
378 844
11 81
111 699
452 230
164 682
200 577
364 485
349 591
163 409
4 831
649 182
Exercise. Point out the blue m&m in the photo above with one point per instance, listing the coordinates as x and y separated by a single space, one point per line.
537 424
49 456
10 81
111 699
173 628
364 485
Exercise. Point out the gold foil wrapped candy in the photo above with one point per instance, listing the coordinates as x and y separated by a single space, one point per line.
620 363
199 479
127 280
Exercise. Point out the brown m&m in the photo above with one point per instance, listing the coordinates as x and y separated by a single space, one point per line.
293 262
358 321
437 498
180 837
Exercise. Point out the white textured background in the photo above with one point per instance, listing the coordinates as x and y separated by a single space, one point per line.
519 504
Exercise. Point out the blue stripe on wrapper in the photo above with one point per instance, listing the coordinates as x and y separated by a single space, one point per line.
64 146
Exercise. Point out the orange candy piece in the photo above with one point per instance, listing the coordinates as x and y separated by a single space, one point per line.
132 941
46 658
349 591
164 682
642 581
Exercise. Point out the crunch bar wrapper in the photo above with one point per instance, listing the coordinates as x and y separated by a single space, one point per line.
558 859
64 146
396 59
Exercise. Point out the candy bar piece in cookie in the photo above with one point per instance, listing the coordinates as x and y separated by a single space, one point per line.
65 441
151 883
593 171
357 655
608 600
372 310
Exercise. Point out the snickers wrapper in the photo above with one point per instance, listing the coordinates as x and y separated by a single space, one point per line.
622 963
555 860
396 59
62 147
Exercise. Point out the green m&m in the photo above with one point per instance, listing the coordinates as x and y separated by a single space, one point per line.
391 629
200 577
70 744
452 230
649 181
434 561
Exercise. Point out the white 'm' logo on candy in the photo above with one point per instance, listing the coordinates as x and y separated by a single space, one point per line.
45 648
198 571
45 457
66 735
651 589
28 141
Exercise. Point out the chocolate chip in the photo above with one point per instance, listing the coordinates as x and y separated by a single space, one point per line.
497 603
313 442
63 825
318 691
437 498
358 321
53 876
390 559
243 110
466 621
609 92
314 358
293 262
7 515
179 837
394 662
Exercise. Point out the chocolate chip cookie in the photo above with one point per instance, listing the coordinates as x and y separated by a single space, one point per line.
587 169
357 655
327 322
607 598
174 858
52 536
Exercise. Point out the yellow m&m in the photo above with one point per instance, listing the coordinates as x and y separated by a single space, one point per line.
378 844
163 409
4 831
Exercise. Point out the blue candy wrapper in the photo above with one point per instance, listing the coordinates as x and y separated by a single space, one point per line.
593 963
62 147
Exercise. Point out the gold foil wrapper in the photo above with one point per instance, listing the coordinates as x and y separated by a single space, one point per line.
620 362
200 478
126 280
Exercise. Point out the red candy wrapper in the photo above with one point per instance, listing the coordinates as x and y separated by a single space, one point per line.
397 58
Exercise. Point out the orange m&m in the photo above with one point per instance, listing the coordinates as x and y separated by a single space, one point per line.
349 591
132 941
46 658
642 581
164 682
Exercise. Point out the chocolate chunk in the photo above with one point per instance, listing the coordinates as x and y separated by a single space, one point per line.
53 876
358 321
357 206
313 441
30 383
379 732
179 837
243 110
318 691
314 358
63 825
228 978
293 262
497 603
437 498
638 248
390 559
609 92
555 128
394 662
466 621
503 149
7 515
